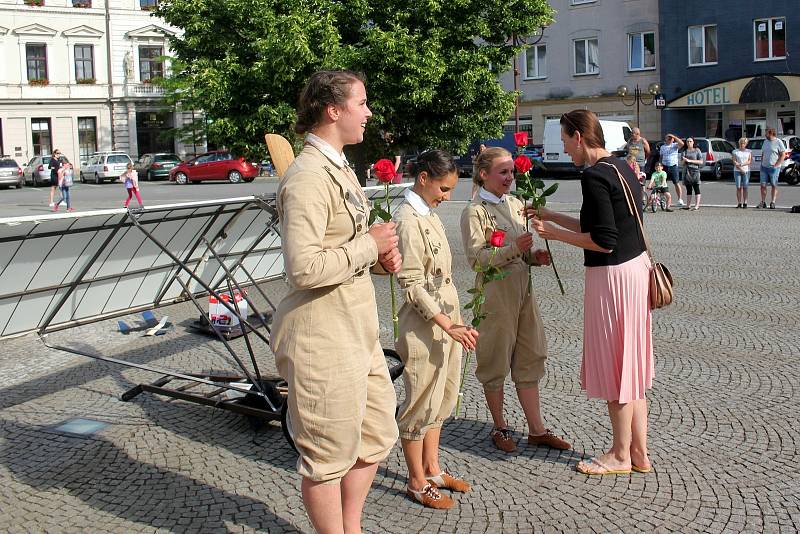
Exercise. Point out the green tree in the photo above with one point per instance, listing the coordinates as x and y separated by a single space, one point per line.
432 66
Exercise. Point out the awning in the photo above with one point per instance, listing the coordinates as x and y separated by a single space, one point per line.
762 88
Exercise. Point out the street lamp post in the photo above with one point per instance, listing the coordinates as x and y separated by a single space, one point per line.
516 40
639 97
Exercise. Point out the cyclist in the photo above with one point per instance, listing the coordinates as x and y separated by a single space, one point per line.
658 186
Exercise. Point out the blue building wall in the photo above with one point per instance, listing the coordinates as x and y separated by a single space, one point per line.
734 20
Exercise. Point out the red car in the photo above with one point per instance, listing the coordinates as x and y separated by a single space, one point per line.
216 165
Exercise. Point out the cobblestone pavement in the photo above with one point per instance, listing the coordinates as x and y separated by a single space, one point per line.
723 416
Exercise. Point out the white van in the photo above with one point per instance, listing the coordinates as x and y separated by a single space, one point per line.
556 161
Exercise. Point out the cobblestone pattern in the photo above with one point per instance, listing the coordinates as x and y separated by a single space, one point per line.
722 427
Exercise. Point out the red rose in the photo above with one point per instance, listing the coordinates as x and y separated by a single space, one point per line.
521 138
498 238
522 163
384 171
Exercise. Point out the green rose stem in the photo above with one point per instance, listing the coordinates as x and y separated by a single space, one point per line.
395 328
547 245
475 304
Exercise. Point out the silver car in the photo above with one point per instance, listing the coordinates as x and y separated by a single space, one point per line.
10 173
104 166
37 172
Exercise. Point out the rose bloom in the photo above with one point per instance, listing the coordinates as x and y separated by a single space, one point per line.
498 238
521 138
384 170
522 163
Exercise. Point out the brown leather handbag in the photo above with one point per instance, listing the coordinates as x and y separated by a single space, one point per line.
661 283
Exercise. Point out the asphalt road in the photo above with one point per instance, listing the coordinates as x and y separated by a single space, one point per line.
85 197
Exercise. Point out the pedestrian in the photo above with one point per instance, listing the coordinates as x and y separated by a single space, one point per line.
669 159
638 147
65 181
341 401
131 180
692 159
773 152
512 335
742 158
431 308
54 165
617 334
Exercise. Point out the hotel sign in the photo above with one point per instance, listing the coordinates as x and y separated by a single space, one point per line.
727 93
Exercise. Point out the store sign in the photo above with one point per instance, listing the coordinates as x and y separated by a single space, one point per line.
660 101
728 93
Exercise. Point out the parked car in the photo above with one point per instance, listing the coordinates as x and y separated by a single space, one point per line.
37 171
717 156
10 173
153 166
216 165
791 142
104 166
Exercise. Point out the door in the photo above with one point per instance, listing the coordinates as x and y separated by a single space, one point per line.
200 170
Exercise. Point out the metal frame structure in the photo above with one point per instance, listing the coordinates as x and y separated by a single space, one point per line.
212 261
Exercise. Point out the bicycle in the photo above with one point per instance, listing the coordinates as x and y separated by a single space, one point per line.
657 198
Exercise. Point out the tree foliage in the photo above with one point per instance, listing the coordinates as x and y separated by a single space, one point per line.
432 66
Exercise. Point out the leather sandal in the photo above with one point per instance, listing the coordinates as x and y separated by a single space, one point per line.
447 480
430 497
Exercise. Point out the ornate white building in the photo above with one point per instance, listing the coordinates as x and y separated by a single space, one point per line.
75 75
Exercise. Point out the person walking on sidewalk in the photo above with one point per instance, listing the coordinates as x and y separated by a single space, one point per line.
670 159
773 152
131 180
692 158
54 165
65 180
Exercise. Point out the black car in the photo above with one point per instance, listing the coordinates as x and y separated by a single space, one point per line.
154 166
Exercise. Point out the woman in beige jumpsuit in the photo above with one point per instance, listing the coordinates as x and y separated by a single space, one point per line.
325 338
512 335
431 334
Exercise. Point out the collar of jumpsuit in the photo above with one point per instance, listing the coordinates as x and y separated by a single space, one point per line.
327 150
416 202
491 197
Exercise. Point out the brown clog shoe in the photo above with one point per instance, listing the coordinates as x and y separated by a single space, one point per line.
549 439
449 481
503 439
430 497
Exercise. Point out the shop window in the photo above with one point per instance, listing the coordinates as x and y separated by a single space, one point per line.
586 61
87 137
786 122
770 38
36 57
642 51
150 63
84 63
755 122
536 62
41 137
713 124
703 45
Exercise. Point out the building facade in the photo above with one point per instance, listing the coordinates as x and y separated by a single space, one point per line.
592 48
730 67
76 75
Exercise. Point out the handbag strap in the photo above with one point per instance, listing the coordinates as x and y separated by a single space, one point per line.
632 208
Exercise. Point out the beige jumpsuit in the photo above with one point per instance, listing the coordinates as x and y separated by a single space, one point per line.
432 359
325 335
512 335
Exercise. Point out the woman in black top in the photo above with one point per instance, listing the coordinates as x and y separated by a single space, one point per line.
617 336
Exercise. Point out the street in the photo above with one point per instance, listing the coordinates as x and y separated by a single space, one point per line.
723 408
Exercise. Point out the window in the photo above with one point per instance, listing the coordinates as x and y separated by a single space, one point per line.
641 51
2 151
40 135
36 56
87 137
586 56
150 64
713 123
81 3
579 2
84 62
536 62
770 38
148 5
702 45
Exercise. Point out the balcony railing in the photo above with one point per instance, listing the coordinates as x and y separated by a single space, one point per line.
143 89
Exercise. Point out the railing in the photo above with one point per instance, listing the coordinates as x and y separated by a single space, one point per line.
143 89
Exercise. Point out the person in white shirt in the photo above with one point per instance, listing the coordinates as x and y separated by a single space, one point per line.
742 158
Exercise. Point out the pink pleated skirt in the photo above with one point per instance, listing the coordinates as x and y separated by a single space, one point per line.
617 332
